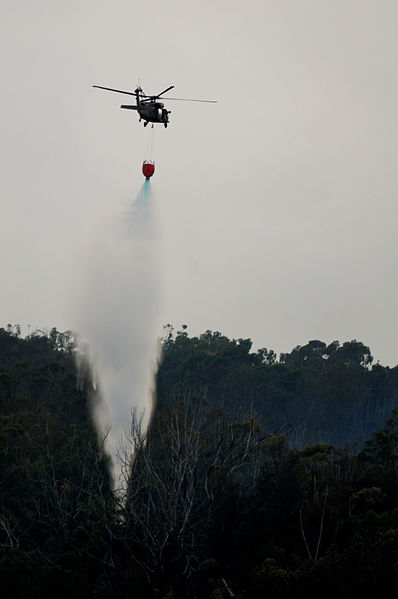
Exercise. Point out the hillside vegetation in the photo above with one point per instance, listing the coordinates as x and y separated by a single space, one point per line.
317 392
259 475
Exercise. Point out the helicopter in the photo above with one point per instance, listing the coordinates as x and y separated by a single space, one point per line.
150 109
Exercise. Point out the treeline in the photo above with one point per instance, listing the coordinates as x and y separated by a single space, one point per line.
224 497
317 392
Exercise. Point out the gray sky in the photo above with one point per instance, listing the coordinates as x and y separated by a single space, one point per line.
276 208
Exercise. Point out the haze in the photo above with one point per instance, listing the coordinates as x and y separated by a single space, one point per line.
277 207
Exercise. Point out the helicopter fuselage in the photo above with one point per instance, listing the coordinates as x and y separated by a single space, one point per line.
150 111
153 112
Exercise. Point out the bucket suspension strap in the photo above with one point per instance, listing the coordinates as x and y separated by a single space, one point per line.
150 145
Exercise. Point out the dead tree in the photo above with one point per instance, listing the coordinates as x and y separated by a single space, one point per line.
172 485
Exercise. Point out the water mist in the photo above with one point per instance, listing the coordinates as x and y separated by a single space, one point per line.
118 319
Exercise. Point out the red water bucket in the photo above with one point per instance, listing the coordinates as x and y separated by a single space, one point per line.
148 168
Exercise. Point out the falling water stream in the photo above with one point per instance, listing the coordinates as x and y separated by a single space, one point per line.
118 320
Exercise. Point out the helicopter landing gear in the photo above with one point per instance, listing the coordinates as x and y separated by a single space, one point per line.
145 124
165 125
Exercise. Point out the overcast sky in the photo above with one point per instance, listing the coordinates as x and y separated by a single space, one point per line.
276 208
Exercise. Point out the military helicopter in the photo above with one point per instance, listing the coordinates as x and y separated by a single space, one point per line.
148 107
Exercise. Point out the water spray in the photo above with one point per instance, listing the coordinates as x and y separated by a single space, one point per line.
118 320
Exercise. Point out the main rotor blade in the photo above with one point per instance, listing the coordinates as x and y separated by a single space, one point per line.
191 100
119 91
163 92
158 95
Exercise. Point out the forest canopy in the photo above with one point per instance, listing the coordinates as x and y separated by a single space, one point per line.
260 474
